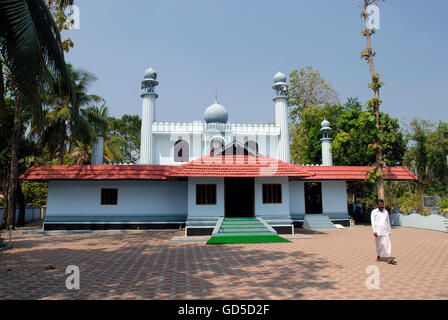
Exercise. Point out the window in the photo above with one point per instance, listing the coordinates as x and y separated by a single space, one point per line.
205 194
181 151
250 146
272 193
109 196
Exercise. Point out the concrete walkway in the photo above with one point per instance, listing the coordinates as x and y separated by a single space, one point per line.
327 264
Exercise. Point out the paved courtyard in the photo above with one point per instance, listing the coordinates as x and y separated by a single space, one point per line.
330 264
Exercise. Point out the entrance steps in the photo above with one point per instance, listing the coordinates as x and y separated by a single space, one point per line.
318 221
200 226
242 227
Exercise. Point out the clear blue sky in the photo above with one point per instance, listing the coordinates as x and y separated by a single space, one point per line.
234 46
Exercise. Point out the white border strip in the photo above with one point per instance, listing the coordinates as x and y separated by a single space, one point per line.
267 225
217 227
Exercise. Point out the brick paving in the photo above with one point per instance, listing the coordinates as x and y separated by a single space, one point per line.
327 264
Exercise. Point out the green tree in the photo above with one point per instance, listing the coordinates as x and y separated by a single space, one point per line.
31 50
427 155
307 88
65 122
353 141
306 147
101 125
35 193
128 129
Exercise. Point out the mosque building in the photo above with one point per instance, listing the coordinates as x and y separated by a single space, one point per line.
195 174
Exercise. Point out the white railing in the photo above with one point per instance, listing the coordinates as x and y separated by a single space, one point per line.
192 127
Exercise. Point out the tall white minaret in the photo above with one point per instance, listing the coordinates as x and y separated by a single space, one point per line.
327 157
148 116
281 115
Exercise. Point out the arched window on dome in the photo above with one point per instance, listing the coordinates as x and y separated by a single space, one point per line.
181 151
216 144
252 146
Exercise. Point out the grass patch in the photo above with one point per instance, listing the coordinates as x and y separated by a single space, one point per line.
247 239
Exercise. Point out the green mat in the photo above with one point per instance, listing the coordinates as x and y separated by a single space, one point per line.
247 239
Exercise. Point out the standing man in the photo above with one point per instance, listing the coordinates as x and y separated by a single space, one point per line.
381 231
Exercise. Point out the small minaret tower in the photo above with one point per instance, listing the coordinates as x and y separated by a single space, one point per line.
327 157
97 150
281 115
148 116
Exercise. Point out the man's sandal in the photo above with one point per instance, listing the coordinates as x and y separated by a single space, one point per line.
391 261
378 259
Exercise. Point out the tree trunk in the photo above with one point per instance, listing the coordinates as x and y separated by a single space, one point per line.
21 200
62 144
5 191
376 90
2 91
10 208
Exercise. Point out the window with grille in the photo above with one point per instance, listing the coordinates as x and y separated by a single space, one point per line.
272 193
205 194
109 196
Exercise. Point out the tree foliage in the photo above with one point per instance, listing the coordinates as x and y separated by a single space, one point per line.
427 155
128 129
353 131
306 89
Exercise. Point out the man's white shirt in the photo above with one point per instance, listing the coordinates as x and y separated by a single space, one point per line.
380 222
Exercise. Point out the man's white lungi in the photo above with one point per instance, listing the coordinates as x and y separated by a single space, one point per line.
381 226
383 246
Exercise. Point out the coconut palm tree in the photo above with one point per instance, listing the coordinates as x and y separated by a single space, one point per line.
31 50
100 124
65 122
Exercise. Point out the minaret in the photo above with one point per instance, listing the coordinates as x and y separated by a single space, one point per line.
327 158
281 115
148 116
97 150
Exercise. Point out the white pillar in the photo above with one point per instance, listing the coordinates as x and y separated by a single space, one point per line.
97 151
148 118
281 115
281 120
327 157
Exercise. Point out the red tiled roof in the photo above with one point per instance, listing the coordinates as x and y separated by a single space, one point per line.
96 172
355 173
218 166
239 166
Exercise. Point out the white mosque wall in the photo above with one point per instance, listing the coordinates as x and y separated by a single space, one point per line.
297 199
135 198
199 144
334 199
214 210
272 210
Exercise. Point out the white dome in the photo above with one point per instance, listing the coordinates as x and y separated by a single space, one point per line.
150 73
216 113
325 123
279 77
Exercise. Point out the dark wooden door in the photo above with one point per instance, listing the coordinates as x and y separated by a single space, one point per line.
239 197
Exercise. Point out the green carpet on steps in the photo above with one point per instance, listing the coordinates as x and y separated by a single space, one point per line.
246 239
